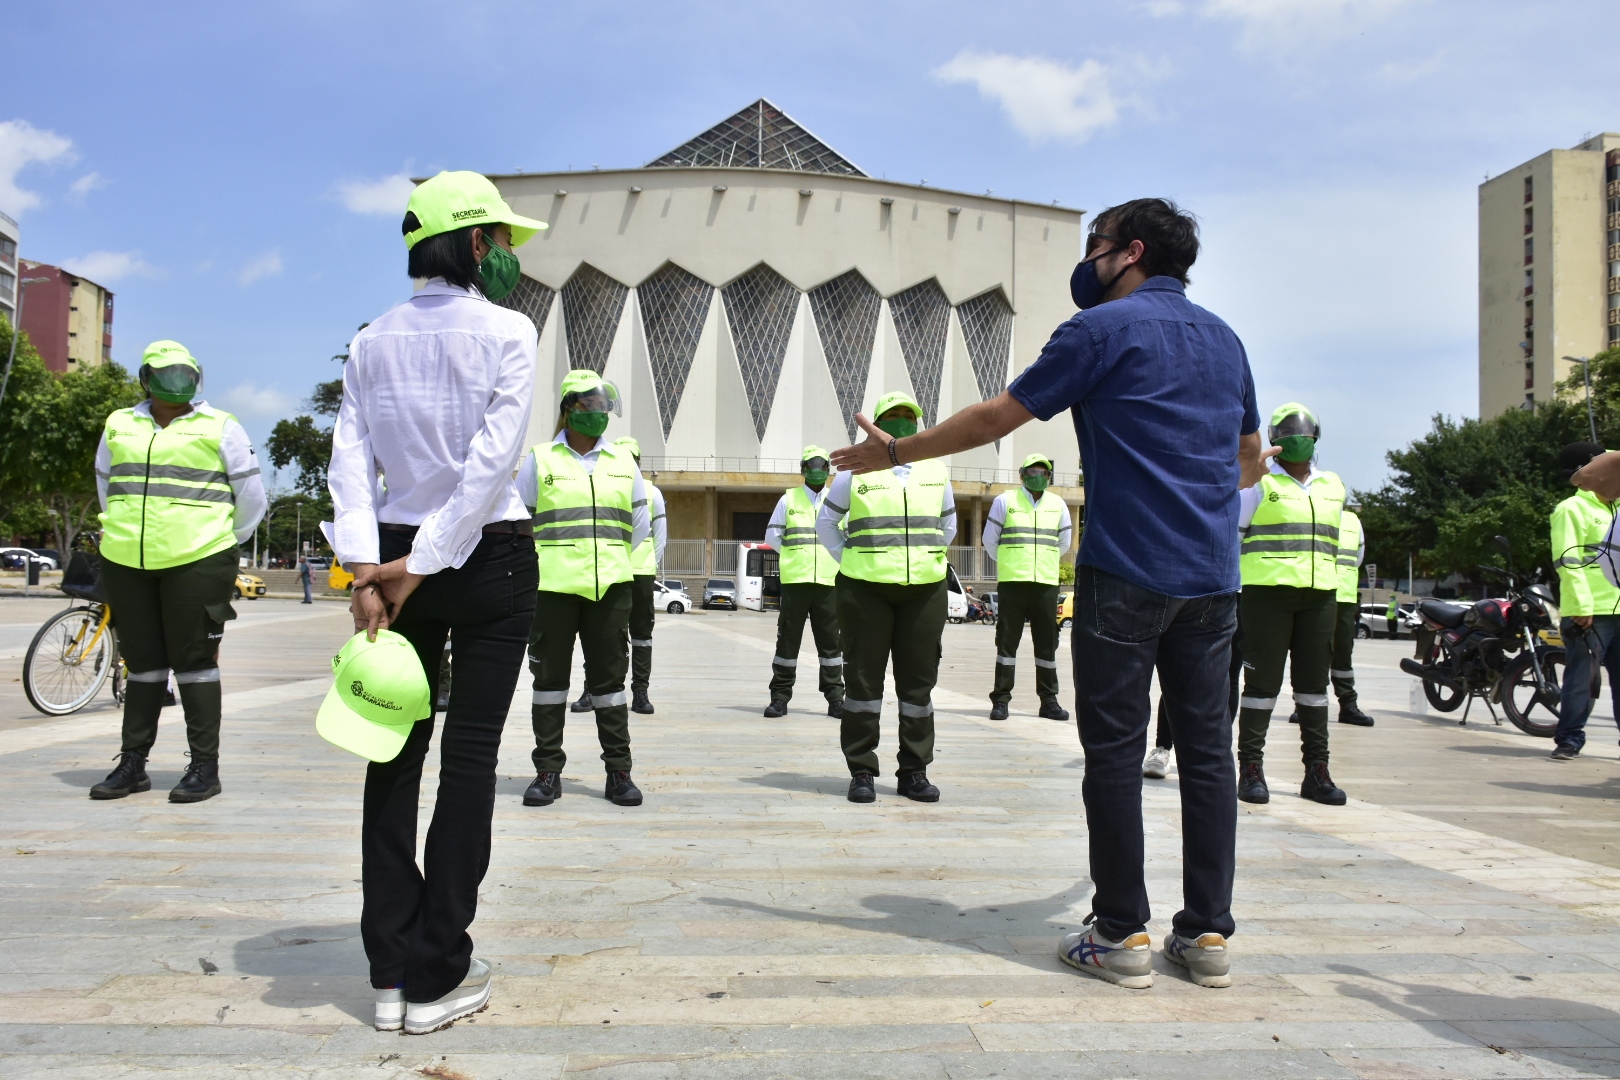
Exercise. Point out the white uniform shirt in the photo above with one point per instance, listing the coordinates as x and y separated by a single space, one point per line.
778 522
835 504
660 522
528 486
998 517
241 466
436 399
1249 497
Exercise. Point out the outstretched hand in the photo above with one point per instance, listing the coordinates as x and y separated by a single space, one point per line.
868 455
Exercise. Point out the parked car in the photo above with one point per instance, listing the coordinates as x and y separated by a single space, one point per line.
339 578
319 562
247 586
674 585
1373 621
672 601
720 592
16 558
1065 615
52 556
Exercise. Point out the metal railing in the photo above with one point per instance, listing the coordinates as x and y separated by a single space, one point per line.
790 467
718 558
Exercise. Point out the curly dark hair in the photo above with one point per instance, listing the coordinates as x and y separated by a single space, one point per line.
1168 233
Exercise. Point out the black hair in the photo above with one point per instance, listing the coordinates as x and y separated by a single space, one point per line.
1168 233
1574 457
448 255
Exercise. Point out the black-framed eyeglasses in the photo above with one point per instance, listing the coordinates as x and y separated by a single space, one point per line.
1091 242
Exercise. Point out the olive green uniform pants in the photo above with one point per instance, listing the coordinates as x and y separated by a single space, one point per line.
603 629
174 620
1284 624
819 604
641 631
1344 649
1018 602
876 622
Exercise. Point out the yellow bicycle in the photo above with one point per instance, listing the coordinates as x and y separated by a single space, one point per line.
76 651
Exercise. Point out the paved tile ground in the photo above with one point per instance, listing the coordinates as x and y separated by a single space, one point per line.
1456 920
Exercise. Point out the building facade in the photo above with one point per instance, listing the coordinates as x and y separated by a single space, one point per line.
752 290
67 317
1549 271
10 235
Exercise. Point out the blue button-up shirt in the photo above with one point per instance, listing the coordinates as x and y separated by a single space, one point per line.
1160 390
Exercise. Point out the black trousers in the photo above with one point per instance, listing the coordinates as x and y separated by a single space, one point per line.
1283 624
1163 737
642 617
1019 602
603 629
818 603
414 923
168 620
876 621
1344 651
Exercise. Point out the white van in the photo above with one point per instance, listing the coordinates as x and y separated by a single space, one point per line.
759 577
956 604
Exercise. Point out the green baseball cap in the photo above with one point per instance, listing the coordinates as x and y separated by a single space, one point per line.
454 200
894 398
1038 459
813 451
379 692
162 354
630 444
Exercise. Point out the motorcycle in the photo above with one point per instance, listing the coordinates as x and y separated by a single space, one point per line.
1496 650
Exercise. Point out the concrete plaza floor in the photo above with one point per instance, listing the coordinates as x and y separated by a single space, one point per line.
1457 919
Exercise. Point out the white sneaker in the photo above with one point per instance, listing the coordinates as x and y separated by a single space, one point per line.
390 1009
1204 957
470 997
1157 763
1127 963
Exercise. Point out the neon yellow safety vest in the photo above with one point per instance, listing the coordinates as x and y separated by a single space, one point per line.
644 560
897 528
1028 549
169 500
1580 524
1293 538
1349 558
582 520
803 560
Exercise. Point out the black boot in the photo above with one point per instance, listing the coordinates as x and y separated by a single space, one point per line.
1051 710
621 790
998 710
1293 717
583 704
200 782
642 703
127 779
861 788
1252 783
915 786
546 789
1349 714
1319 786
835 708
776 708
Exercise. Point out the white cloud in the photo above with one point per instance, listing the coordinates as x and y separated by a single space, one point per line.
387 196
1288 23
249 402
266 265
85 184
22 144
1042 98
106 267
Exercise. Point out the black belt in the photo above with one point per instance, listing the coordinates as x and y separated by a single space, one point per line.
494 528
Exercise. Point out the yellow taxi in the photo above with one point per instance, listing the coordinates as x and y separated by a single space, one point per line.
247 586
339 578
1065 614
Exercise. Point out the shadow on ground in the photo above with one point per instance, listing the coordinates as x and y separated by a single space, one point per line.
815 785
310 966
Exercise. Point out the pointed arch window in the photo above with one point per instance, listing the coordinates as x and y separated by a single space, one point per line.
846 312
987 328
674 306
531 298
922 315
592 303
760 307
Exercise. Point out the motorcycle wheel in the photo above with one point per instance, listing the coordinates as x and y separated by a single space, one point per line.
1533 711
1444 699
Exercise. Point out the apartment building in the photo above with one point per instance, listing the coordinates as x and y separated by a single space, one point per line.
67 317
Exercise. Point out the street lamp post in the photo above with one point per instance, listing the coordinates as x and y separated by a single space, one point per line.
1586 372
16 330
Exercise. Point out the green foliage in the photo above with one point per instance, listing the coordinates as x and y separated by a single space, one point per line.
326 399
299 442
1065 573
294 518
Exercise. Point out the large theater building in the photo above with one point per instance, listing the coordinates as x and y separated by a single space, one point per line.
751 290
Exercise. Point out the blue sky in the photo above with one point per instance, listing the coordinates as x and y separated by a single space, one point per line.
226 168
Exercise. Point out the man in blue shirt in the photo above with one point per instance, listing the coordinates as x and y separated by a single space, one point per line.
1164 408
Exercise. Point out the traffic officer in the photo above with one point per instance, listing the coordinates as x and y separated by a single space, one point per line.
1392 614
808 576
891 600
590 513
1589 603
644 564
1026 532
180 489
1289 557
1352 549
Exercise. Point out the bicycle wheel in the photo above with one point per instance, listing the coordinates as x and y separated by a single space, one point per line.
68 662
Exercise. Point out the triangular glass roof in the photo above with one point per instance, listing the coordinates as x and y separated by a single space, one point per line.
759 137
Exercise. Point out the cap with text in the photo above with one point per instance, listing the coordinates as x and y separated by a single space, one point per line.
455 200
379 692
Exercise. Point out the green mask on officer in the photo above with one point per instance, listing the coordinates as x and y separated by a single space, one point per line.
892 411
170 373
814 465
1036 473
1295 429
587 401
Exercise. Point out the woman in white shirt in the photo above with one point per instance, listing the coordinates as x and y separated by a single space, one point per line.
436 397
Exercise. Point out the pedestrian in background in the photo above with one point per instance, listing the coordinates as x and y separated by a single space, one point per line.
1588 602
1027 531
303 577
1392 614
1163 405
809 575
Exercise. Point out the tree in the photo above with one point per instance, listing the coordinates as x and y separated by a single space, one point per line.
301 442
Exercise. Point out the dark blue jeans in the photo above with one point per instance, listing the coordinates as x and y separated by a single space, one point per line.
1575 699
1122 633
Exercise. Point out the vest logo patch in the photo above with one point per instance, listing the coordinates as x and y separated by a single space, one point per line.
358 689
1274 497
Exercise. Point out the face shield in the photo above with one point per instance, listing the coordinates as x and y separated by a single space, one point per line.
176 384
587 409
1296 433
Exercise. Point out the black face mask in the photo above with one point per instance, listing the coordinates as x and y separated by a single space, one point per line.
1086 288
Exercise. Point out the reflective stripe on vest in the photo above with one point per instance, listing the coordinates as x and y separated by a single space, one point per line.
169 500
1028 549
896 532
1349 561
582 520
803 560
1293 538
644 560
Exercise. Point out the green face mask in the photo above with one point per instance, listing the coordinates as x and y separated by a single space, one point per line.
1035 483
499 272
1297 448
588 423
175 385
815 477
898 426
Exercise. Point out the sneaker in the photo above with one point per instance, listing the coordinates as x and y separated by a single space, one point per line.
621 790
861 788
998 710
1349 714
1560 753
546 789
470 997
1252 783
583 704
1157 763
1051 710
1127 963
1319 786
775 709
390 1014
642 703
1204 957
915 786
127 779
835 708
200 782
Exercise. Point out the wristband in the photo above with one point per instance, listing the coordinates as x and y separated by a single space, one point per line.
894 454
